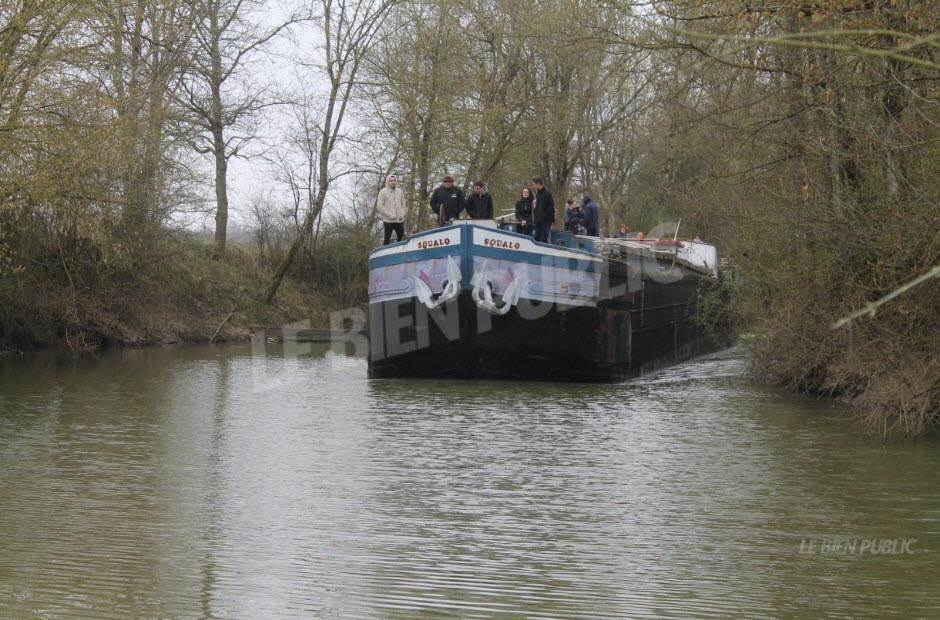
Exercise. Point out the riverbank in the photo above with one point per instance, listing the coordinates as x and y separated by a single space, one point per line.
190 298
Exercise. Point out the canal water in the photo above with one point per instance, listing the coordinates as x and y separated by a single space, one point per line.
259 482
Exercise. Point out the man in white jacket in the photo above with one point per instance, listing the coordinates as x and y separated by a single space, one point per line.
391 207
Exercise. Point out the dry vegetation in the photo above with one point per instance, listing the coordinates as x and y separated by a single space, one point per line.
181 296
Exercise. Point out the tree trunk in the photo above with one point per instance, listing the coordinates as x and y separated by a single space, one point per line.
221 192
323 184
424 172
294 248
217 127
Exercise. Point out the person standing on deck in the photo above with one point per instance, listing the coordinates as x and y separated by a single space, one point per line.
480 203
591 218
447 201
572 216
524 208
544 212
391 207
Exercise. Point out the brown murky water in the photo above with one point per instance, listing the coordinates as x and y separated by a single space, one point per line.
222 482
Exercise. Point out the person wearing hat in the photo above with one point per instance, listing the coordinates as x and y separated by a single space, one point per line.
447 201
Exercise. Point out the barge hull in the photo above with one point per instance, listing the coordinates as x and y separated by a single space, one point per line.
553 342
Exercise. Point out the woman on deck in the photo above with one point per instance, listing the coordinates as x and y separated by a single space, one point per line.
524 212
572 217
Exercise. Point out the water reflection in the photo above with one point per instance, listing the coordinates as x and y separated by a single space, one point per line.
254 482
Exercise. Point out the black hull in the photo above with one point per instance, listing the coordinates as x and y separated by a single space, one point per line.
537 342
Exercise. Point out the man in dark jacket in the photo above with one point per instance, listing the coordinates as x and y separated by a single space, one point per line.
544 215
591 216
447 201
480 203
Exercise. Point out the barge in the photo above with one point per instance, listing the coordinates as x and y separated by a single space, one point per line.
473 300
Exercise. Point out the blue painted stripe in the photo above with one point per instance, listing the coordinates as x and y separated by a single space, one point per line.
466 251
414 256
572 244
423 233
590 263
466 263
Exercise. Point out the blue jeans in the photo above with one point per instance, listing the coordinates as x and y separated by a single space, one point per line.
543 232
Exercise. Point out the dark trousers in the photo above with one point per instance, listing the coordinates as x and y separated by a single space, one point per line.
543 232
398 227
592 232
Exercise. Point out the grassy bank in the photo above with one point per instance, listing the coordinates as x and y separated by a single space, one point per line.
175 294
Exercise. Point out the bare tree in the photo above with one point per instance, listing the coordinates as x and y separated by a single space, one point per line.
349 32
228 35
501 69
138 69
294 161
412 94
29 33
